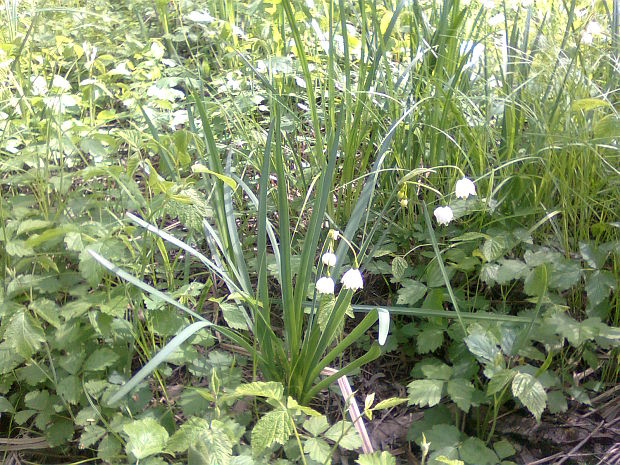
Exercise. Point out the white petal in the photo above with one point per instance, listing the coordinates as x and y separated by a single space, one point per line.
464 188
443 215
325 285
384 325
353 280
329 259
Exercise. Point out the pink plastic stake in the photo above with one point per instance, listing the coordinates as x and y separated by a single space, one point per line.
354 411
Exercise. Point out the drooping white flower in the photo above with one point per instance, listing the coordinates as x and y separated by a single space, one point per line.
178 118
325 285
586 38
39 85
334 234
61 83
200 17
594 28
352 279
329 259
443 215
464 188
496 20
404 203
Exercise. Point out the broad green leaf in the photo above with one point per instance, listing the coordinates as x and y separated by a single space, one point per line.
198 168
5 405
530 392
234 315
269 389
316 425
100 359
446 460
399 266
389 403
109 449
494 248
70 389
343 433
509 270
500 379
429 339
425 392
146 437
504 449
59 432
376 458
90 436
411 292
474 451
598 286
483 345
24 334
564 274
272 428
556 402
435 369
17 248
441 436
593 256
536 281
318 450
212 446
28 226
461 392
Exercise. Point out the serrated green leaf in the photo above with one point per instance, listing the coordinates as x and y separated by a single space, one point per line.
109 449
500 379
24 334
425 392
598 286
461 392
510 270
90 435
399 266
5 405
73 241
556 402
530 392
536 281
389 403
212 446
100 359
272 428
376 458
70 389
270 390
410 292
429 339
234 315
474 451
316 425
343 433
483 345
146 437
446 460
17 248
494 248
318 450
504 449
59 432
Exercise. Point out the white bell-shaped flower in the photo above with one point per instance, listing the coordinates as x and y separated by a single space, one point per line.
443 215
329 259
325 285
352 279
464 188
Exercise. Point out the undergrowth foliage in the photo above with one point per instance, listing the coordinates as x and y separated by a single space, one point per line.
203 204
